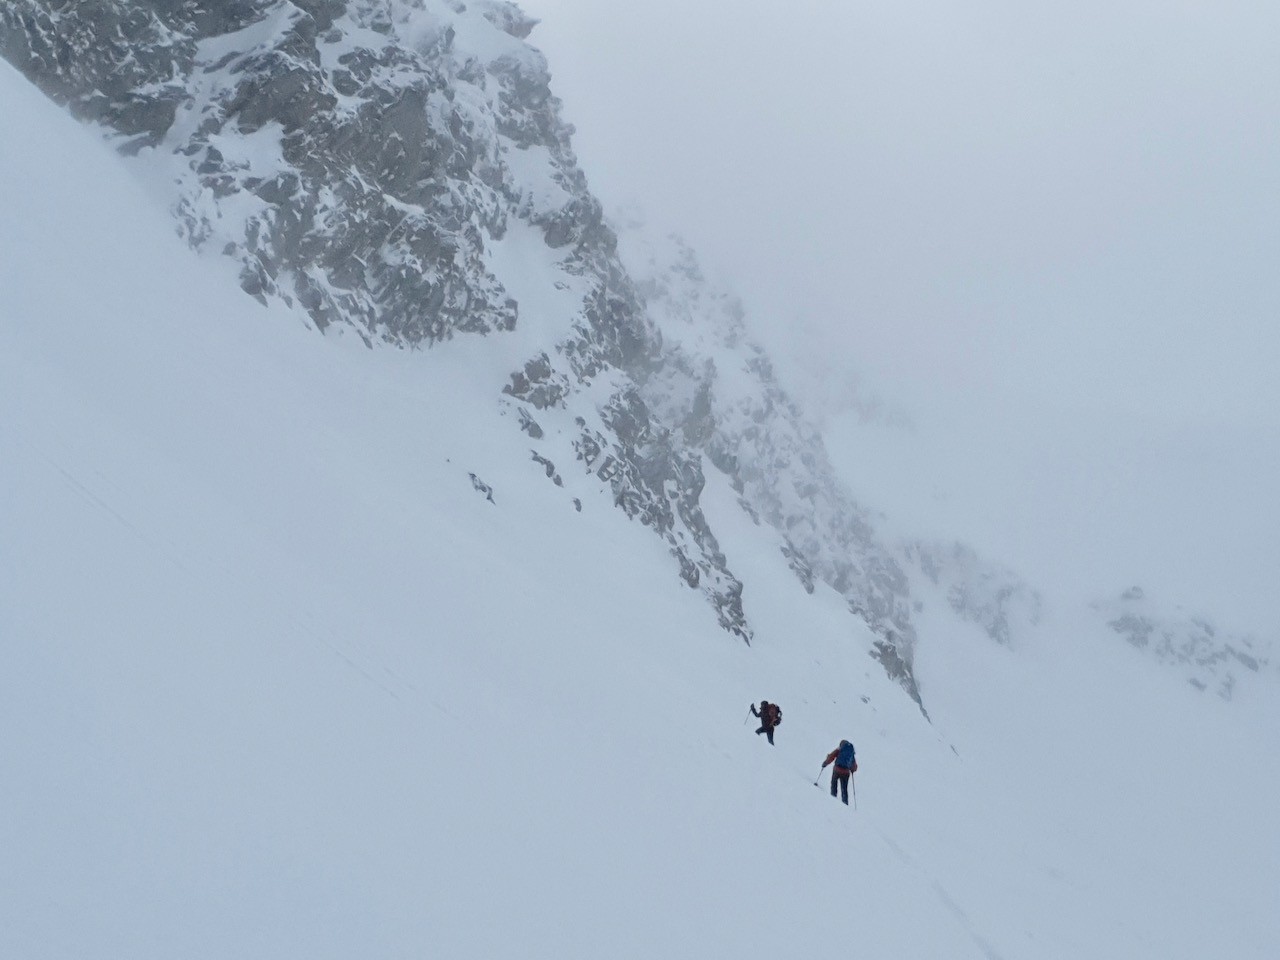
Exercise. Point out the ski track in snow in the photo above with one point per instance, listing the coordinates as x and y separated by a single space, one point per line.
944 897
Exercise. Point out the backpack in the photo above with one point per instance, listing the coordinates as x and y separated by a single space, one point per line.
777 713
845 758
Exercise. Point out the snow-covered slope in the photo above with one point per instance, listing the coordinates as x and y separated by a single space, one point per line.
281 679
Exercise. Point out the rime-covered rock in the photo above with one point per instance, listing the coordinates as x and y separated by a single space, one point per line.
1210 658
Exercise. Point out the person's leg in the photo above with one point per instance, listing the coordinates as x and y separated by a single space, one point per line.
833 781
770 734
844 789
761 730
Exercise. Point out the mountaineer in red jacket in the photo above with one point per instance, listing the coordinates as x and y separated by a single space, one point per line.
770 716
846 762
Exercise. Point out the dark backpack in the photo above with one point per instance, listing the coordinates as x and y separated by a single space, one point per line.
845 758
777 713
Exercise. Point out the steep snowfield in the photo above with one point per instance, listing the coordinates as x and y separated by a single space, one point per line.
278 681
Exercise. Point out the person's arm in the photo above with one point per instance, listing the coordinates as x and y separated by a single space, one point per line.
753 711
830 758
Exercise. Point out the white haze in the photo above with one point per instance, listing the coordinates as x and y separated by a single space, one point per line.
1049 231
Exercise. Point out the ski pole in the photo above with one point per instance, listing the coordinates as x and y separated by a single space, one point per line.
853 782
748 716
820 769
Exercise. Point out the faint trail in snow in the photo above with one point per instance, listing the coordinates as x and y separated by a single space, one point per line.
89 496
356 660
958 912
944 897
310 628
358 668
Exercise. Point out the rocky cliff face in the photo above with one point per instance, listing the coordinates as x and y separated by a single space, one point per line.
363 159
720 391
343 165
370 160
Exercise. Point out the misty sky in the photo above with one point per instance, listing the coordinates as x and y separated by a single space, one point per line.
1049 231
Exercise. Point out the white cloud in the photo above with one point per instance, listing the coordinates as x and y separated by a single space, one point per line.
1015 216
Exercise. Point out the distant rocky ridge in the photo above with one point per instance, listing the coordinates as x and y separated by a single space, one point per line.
366 160
1211 658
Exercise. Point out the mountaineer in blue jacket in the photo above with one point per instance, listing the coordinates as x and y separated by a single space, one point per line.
846 762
